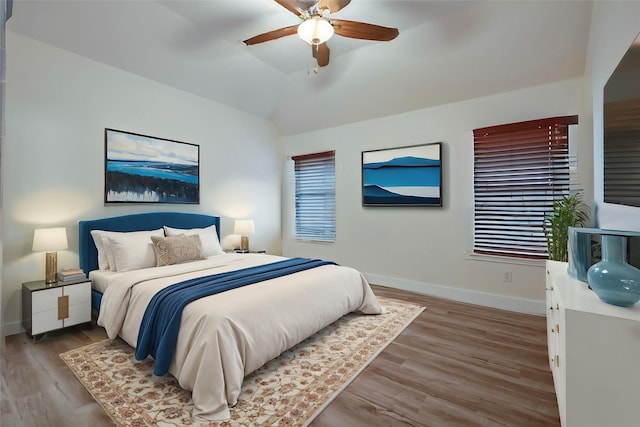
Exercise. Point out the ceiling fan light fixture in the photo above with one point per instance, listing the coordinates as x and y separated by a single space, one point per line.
315 30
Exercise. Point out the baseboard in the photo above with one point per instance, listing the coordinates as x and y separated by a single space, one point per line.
520 305
12 328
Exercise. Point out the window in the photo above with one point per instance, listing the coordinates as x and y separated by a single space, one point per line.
315 196
519 170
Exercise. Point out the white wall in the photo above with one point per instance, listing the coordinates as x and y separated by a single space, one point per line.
427 249
58 105
3 16
614 25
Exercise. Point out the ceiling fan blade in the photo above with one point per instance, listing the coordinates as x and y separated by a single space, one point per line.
364 31
333 5
272 35
291 8
321 53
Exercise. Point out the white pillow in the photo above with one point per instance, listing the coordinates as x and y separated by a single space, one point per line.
208 237
106 260
130 251
107 249
103 261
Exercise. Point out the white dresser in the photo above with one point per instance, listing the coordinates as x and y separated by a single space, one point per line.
594 353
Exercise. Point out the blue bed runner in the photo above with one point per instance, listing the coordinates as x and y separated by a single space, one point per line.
159 328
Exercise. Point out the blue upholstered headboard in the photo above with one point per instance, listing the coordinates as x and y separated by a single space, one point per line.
136 222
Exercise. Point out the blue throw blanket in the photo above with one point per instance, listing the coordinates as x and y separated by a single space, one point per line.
161 321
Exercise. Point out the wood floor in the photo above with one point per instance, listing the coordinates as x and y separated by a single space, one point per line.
455 365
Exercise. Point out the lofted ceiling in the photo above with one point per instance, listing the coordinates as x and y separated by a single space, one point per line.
447 51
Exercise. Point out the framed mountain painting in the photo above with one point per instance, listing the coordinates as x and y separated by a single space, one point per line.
146 169
403 176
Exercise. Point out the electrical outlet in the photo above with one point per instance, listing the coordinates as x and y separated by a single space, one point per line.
507 276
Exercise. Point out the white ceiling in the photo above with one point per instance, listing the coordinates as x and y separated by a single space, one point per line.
446 51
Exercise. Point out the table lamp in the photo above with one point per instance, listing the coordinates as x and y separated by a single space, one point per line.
50 240
244 227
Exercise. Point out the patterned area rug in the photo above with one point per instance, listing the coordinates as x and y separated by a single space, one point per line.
287 391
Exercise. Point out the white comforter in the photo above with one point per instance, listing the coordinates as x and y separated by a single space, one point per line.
225 337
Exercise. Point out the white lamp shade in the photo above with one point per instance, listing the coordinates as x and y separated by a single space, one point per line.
315 30
244 227
49 239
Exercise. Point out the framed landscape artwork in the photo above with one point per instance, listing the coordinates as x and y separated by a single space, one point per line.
403 176
147 169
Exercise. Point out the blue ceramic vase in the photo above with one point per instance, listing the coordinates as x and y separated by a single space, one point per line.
613 279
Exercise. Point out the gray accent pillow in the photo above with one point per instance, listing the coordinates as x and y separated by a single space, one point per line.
177 249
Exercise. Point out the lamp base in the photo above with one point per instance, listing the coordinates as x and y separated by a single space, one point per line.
51 267
244 243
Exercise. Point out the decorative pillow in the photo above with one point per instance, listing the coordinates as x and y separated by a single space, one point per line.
131 251
208 237
177 249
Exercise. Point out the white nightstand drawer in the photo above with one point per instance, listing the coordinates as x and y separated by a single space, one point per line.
79 306
45 300
45 321
80 292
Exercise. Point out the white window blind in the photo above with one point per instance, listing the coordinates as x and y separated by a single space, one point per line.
315 196
519 170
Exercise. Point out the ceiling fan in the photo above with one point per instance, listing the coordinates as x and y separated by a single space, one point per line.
317 27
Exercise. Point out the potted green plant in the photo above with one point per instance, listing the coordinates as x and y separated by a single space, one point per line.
569 211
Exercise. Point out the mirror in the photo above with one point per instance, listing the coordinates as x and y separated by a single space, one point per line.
622 131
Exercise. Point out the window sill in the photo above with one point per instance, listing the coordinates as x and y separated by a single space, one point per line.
325 242
506 260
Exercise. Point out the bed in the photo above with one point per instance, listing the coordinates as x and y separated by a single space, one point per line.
222 337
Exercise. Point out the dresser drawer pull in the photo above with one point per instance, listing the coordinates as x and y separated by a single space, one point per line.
63 307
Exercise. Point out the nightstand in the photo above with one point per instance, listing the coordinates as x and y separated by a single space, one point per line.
46 307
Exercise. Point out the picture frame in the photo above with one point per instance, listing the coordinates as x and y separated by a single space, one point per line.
147 169
403 176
